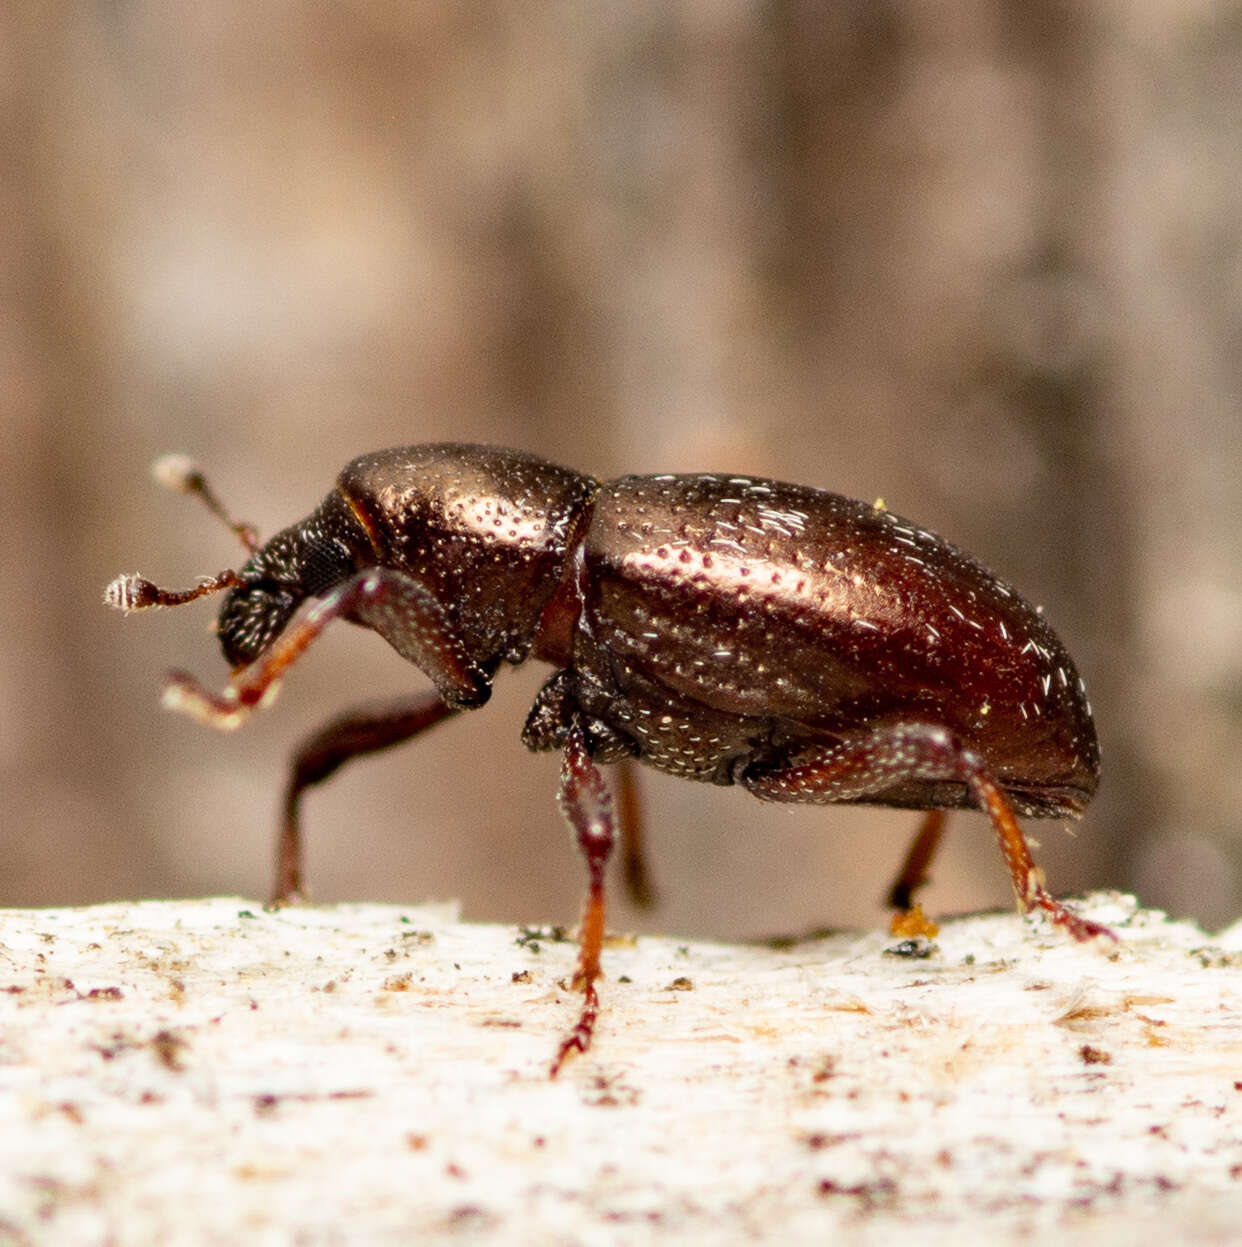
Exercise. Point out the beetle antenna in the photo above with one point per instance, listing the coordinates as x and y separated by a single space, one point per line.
130 592
183 476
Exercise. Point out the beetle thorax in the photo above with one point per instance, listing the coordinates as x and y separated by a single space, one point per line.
485 531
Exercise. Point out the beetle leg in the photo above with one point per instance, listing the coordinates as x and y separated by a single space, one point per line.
395 605
587 804
554 710
633 840
864 764
913 873
367 729
415 623
1028 879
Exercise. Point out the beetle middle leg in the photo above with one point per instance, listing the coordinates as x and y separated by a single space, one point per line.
367 729
587 804
547 727
867 763
633 838
918 860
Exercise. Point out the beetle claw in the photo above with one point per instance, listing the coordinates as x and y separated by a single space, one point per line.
1075 925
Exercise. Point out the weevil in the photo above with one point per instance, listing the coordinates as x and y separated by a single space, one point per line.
727 629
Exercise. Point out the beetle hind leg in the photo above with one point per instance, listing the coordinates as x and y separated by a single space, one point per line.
866 764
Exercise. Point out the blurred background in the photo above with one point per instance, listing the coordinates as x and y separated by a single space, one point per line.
982 258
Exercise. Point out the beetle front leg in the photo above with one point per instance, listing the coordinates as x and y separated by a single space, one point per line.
395 605
587 804
868 763
351 735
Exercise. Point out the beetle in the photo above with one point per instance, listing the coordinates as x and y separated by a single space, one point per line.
726 629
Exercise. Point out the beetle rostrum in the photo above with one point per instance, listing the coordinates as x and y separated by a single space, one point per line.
727 629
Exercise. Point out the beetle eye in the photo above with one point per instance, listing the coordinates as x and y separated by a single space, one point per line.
324 564
251 619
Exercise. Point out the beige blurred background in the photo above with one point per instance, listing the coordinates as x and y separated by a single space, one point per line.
982 258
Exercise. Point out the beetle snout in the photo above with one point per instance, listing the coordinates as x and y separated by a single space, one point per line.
252 617
309 559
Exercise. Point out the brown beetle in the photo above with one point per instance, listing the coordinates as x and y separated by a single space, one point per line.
728 629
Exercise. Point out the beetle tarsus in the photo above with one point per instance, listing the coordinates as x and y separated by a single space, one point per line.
579 1039
184 694
1074 925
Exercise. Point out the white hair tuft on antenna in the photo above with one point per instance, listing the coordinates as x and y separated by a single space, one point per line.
177 472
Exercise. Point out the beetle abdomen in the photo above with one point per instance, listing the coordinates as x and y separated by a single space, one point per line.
815 613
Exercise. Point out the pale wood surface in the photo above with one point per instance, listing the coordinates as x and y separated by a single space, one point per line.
207 1072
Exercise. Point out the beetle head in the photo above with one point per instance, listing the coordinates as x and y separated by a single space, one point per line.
252 617
309 559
